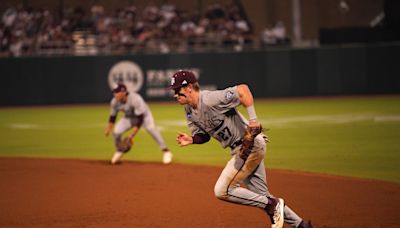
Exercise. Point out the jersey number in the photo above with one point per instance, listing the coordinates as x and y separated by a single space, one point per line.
225 134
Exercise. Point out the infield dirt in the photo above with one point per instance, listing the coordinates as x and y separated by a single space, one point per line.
87 193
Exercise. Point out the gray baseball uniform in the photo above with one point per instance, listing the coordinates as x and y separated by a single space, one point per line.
134 107
216 115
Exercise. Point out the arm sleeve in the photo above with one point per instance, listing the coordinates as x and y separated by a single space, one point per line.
112 119
140 120
201 138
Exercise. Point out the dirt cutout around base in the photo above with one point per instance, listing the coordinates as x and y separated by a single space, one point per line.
81 193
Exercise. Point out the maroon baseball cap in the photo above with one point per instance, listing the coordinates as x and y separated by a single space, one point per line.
120 88
182 78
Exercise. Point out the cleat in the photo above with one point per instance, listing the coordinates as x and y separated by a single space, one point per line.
116 158
167 157
275 211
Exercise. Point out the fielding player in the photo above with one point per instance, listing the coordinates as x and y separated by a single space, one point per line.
137 114
213 114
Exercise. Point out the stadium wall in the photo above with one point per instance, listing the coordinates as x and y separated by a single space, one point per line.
371 69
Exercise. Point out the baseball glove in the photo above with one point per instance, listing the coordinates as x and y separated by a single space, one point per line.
248 141
125 145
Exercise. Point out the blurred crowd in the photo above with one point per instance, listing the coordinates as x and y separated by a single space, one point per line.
274 35
157 28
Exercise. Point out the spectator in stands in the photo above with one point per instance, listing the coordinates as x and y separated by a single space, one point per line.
161 28
274 35
279 32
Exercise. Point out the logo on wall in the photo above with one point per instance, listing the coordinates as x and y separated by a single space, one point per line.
128 73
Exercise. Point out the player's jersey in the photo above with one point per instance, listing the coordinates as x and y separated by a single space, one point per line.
134 106
217 116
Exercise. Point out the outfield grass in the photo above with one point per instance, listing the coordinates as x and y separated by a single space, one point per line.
349 136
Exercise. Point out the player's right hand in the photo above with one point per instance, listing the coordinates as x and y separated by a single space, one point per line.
107 131
184 139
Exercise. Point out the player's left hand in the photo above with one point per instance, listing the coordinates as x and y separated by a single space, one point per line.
254 123
248 140
184 139
133 134
130 139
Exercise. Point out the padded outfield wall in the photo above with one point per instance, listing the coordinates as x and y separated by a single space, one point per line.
350 70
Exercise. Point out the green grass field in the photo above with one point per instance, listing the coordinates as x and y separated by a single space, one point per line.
348 136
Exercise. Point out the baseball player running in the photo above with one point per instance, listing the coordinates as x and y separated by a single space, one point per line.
214 114
137 114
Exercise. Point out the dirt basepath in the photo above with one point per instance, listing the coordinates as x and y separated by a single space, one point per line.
79 193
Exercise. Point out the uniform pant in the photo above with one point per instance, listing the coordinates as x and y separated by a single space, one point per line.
245 182
126 123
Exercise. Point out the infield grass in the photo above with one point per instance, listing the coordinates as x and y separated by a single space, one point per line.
348 136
